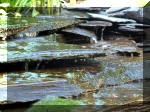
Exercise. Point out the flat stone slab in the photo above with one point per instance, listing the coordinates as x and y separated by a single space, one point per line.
130 29
47 59
136 25
90 9
83 33
56 55
147 49
111 19
41 49
32 28
95 24
54 17
32 92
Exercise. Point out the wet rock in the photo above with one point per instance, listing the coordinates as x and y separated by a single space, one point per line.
143 45
95 24
146 49
37 91
56 55
73 13
146 64
41 52
112 95
17 81
130 29
115 9
49 59
111 19
116 37
44 75
47 28
126 53
124 48
29 74
35 79
54 17
6 33
12 75
89 9
34 29
80 35
138 14
136 25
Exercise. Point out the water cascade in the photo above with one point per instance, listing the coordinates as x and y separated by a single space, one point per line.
102 34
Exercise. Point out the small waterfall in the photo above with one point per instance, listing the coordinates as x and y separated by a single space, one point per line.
93 40
26 66
102 34
55 36
132 55
37 67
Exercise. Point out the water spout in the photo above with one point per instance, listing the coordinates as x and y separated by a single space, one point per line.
37 67
93 40
55 36
26 66
102 34
131 55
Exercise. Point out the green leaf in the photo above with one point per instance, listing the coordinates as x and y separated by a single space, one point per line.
34 12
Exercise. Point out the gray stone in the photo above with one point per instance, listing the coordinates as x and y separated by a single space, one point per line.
111 19
37 91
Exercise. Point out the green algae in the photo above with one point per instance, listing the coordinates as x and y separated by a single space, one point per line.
55 104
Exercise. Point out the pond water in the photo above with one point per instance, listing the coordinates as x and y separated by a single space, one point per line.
121 76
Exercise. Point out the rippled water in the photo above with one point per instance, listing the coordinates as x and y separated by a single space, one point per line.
116 72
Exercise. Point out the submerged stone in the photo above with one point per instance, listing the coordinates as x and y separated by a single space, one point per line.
117 94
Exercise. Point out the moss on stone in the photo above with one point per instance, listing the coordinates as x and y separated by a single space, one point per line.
54 104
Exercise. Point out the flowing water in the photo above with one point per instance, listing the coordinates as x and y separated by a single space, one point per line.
102 34
121 75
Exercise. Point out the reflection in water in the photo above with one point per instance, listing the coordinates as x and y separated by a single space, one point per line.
113 71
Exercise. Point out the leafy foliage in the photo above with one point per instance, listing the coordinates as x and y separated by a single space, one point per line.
9 5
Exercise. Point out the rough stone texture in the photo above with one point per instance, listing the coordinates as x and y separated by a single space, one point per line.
37 91
111 19
95 24
141 15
